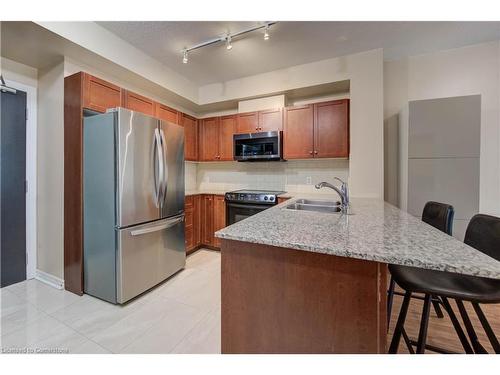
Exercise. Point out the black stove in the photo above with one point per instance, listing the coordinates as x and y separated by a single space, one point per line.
268 197
241 204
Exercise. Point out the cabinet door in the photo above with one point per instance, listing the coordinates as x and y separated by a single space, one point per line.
248 122
197 219
331 129
189 222
100 95
226 131
209 139
282 199
270 120
219 216
298 132
207 220
190 125
139 103
166 113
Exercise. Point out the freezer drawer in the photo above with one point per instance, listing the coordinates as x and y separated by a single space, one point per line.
148 254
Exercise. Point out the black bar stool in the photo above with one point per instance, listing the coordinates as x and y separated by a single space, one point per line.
440 216
483 233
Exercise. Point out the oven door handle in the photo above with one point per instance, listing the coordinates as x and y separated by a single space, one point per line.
258 206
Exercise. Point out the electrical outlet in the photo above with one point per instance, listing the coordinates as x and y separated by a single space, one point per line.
308 181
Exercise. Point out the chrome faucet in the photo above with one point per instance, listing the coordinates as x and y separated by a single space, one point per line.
343 192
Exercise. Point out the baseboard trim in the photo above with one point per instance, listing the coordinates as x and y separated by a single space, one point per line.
49 279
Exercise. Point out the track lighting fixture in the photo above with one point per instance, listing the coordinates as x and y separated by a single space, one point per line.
227 39
266 33
229 46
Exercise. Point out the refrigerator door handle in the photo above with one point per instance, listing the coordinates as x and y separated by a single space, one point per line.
157 228
165 165
161 167
156 167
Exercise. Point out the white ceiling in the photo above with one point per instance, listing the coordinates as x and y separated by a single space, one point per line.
291 43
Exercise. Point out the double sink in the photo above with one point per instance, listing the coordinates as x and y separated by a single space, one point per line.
332 207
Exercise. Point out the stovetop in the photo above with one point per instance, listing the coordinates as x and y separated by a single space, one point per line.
264 192
253 196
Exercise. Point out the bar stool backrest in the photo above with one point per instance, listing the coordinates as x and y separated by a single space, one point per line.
483 234
439 215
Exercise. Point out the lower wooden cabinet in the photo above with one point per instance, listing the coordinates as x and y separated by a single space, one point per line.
205 215
282 199
192 222
219 212
207 220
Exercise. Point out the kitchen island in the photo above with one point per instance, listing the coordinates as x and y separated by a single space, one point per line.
309 282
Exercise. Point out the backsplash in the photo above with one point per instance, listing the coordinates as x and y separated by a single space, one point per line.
290 176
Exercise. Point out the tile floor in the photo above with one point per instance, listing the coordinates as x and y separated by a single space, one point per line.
182 315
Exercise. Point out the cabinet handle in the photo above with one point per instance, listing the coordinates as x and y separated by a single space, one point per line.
310 152
315 152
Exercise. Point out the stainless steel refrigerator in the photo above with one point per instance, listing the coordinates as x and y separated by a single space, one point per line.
133 201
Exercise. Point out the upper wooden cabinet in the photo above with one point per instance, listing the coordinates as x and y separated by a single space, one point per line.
248 122
318 130
99 95
261 121
216 138
139 103
166 113
331 129
271 120
209 139
190 125
298 142
227 128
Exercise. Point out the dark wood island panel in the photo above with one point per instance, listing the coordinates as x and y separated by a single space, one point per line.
277 300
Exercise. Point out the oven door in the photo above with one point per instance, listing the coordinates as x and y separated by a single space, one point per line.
236 211
257 146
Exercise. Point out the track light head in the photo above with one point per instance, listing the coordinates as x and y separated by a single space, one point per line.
229 46
185 56
266 33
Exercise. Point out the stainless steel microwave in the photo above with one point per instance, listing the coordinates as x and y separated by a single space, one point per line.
264 146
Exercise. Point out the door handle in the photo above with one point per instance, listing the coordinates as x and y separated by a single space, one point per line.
156 228
164 164
156 168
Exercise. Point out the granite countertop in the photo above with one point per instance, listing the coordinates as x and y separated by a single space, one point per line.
375 230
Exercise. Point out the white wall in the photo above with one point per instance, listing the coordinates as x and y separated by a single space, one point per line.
365 72
14 71
51 170
291 176
469 70
259 104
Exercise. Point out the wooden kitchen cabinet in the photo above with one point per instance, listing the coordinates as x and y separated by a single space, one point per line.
207 219
318 130
298 142
209 139
331 129
99 95
192 222
166 113
282 199
216 138
227 128
190 125
219 212
270 120
248 122
139 103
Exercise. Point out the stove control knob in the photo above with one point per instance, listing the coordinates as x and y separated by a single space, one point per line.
271 199
265 198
